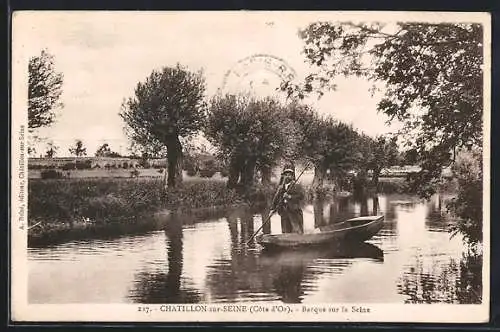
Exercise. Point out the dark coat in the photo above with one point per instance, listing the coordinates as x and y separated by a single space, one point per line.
288 203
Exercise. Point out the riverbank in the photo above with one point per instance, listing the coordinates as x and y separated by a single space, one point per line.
71 209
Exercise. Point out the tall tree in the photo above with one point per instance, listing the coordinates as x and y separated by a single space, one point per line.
432 74
51 150
44 90
166 107
78 150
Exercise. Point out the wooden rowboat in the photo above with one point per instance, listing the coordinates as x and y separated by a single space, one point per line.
352 230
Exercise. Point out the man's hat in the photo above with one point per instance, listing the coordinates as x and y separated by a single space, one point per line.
288 169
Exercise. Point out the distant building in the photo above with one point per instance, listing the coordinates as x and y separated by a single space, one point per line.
94 162
400 171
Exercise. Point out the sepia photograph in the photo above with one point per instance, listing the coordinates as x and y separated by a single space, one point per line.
250 166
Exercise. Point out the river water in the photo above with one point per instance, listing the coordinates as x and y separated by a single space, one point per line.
411 260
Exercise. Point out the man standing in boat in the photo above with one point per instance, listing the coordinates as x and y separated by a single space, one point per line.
287 202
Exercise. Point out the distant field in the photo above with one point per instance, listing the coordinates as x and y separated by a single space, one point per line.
148 173
99 173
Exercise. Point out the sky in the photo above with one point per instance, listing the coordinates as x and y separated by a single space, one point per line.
103 55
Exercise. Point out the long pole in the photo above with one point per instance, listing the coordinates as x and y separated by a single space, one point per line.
272 211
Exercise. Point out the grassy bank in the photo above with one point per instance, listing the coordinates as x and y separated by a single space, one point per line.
105 199
75 208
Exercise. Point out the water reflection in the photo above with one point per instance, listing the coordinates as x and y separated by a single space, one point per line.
458 281
376 205
250 274
198 259
437 220
162 286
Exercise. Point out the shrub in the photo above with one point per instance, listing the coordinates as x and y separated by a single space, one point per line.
393 186
106 207
68 166
468 204
87 164
51 174
144 163
190 165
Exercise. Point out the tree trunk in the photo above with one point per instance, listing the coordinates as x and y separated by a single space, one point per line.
335 181
248 172
359 184
318 213
174 162
164 179
266 175
319 178
334 212
234 172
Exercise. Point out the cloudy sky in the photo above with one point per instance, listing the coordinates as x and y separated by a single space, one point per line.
104 54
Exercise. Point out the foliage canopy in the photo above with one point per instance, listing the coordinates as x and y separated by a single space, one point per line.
432 77
44 90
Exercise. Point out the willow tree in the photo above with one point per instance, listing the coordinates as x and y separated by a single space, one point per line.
249 134
338 157
166 107
325 143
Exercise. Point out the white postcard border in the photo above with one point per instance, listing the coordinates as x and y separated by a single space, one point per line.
22 311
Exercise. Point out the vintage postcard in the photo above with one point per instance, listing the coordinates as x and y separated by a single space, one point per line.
250 166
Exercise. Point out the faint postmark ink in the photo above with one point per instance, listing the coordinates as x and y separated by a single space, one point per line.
240 74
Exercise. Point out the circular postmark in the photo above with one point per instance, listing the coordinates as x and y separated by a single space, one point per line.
259 74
